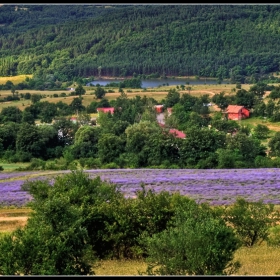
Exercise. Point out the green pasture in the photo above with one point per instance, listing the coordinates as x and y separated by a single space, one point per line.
12 166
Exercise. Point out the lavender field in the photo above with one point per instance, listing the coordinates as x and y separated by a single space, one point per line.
216 186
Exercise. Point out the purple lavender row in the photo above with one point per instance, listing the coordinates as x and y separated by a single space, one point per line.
218 187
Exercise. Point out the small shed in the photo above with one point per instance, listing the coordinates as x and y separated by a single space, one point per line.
236 112
159 108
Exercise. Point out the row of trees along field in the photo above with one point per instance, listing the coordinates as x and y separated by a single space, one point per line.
132 137
77 220
240 42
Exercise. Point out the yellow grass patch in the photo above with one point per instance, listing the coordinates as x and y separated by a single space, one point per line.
119 267
258 260
11 219
14 79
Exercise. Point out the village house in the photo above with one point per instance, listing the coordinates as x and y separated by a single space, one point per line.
105 110
177 133
236 112
159 108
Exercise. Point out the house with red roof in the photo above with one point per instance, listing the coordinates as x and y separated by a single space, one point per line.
106 110
236 112
177 133
159 108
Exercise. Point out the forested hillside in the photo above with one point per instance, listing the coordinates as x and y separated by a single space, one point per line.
240 42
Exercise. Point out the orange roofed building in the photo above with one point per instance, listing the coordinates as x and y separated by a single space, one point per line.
159 108
177 133
236 112
105 110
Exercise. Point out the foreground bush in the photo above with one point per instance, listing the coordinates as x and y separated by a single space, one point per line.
57 239
251 220
197 243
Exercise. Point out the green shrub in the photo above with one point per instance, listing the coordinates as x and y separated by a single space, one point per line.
251 220
274 236
51 165
111 165
57 238
36 164
196 243
126 220
93 163
174 166
263 162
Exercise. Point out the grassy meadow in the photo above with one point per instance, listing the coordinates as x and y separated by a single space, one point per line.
9 167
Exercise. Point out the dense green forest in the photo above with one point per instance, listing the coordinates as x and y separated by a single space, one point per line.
240 42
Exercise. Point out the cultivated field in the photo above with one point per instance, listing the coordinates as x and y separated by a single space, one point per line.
214 186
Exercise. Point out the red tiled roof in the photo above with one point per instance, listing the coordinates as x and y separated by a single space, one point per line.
234 108
106 110
177 133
